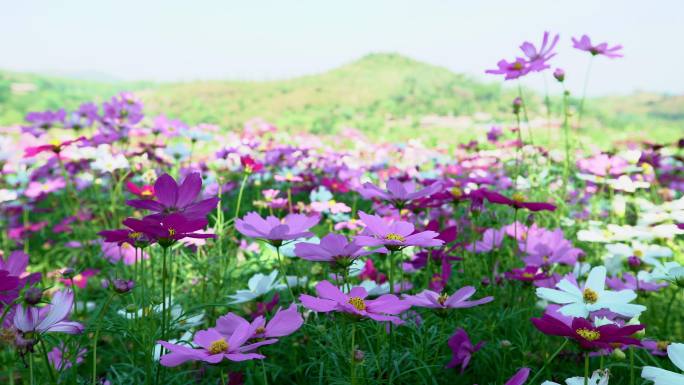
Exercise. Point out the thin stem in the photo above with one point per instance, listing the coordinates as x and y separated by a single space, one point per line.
239 201
47 362
283 272
351 355
31 374
631 365
547 362
669 308
263 372
584 93
586 368
524 108
566 125
97 334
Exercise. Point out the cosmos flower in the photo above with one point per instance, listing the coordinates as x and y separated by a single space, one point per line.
50 318
399 193
144 192
519 378
394 236
330 298
517 202
584 44
512 70
592 297
169 229
491 239
538 58
56 358
38 189
172 198
458 300
599 377
462 349
283 323
333 248
529 273
56 147
586 334
665 377
275 230
80 280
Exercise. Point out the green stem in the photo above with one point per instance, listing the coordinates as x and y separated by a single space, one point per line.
263 372
53 379
31 374
584 93
667 313
283 272
351 355
547 362
239 201
524 108
97 334
631 366
566 133
586 368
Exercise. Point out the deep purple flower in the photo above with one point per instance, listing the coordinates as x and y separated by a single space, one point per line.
458 300
173 198
399 193
494 133
395 235
168 230
527 274
537 59
13 276
275 230
512 70
517 202
586 334
462 349
584 44
333 248
50 318
330 298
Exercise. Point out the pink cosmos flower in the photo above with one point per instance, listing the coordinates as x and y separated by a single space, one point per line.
80 280
399 193
215 347
527 274
331 206
57 360
37 189
512 70
395 235
584 44
332 248
330 298
537 58
283 323
491 239
50 318
124 252
458 300
275 230
56 148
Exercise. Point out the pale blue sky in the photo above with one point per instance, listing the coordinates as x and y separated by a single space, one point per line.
259 39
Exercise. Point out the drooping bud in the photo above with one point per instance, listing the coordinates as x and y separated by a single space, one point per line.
559 74
33 296
121 286
517 103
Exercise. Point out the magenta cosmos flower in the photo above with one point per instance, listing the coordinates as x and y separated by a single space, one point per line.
538 58
527 274
173 198
395 235
169 229
462 349
49 318
586 334
13 276
517 201
330 298
584 44
458 300
215 347
274 230
283 323
512 70
519 378
399 193
333 248
56 148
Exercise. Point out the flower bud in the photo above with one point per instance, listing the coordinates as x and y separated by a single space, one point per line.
68 273
505 344
33 296
618 354
359 355
121 286
559 74
517 103
634 262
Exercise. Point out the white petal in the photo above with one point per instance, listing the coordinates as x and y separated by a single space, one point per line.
676 354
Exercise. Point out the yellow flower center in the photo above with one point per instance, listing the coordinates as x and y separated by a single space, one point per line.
456 192
394 237
260 330
662 345
442 298
589 335
590 296
135 235
172 232
528 275
146 193
517 66
358 303
638 253
518 197
218 346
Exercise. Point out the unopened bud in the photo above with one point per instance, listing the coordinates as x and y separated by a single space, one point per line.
33 296
559 74
68 273
121 286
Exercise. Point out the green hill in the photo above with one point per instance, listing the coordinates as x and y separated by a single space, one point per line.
385 95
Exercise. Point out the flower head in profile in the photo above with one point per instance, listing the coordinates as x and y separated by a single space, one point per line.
587 334
511 70
458 300
584 44
527 274
51 318
283 323
169 229
592 297
55 148
517 201
399 193
330 298
395 235
665 377
538 58
274 230
174 198
333 248
462 349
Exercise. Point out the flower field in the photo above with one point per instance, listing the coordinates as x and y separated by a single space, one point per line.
142 249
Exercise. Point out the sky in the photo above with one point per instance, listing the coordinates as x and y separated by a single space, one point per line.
263 40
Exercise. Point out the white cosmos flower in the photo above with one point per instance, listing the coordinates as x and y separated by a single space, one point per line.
7 195
599 377
626 184
594 296
665 377
107 163
619 252
258 285
186 338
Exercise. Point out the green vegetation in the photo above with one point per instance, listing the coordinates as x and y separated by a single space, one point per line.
383 95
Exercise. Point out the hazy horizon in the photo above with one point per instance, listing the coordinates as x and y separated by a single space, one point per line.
268 40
